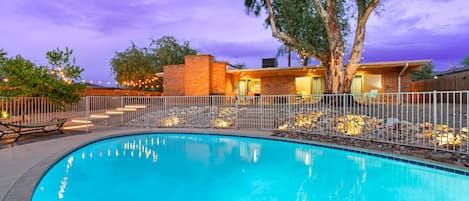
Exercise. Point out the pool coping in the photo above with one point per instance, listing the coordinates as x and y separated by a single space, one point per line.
24 187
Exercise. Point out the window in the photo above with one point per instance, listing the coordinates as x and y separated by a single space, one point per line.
255 86
303 85
372 82
249 87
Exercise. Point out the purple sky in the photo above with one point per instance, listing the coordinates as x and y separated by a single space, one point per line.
423 29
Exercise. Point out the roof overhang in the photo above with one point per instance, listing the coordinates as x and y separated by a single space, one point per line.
370 66
375 67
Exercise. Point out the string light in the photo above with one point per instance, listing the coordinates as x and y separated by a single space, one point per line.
141 83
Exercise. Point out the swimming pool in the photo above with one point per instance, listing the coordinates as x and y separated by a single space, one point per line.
179 167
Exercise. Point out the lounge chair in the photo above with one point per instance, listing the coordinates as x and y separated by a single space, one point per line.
55 124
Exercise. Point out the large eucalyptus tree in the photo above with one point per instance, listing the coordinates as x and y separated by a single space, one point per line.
319 29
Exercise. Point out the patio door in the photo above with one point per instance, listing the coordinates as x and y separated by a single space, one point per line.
318 85
243 88
356 87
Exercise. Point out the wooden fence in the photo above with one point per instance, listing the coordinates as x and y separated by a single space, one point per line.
450 82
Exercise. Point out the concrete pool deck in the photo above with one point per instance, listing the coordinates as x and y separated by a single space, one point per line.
21 166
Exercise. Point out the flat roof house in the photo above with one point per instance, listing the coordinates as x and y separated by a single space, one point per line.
200 75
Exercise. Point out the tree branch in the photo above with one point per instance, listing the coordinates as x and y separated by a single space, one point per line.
323 13
275 32
329 19
364 18
359 41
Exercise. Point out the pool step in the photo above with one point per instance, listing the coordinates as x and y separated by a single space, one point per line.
77 125
126 109
99 116
135 106
82 121
114 112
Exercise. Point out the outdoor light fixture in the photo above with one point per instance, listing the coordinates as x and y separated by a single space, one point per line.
435 77
5 79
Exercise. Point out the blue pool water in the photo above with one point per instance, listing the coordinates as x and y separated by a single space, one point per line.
177 167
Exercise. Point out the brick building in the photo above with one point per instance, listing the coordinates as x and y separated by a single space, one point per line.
202 76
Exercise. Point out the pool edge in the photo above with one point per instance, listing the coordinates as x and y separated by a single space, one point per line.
24 187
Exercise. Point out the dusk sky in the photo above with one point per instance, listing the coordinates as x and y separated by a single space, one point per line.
96 29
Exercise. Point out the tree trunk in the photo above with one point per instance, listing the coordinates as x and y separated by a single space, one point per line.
336 80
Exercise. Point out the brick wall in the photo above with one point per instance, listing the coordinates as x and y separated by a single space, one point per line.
278 85
390 81
229 86
173 82
197 78
218 78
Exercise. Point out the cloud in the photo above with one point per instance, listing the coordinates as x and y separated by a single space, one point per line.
419 29
437 16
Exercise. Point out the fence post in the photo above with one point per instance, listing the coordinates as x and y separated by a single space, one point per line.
164 110
87 111
211 111
467 120
237 113
262 110
434 120
344 104
122 106
289 113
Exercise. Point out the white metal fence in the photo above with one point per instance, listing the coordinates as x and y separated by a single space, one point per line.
435 120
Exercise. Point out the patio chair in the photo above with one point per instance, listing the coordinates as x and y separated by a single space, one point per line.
55 124
366 98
